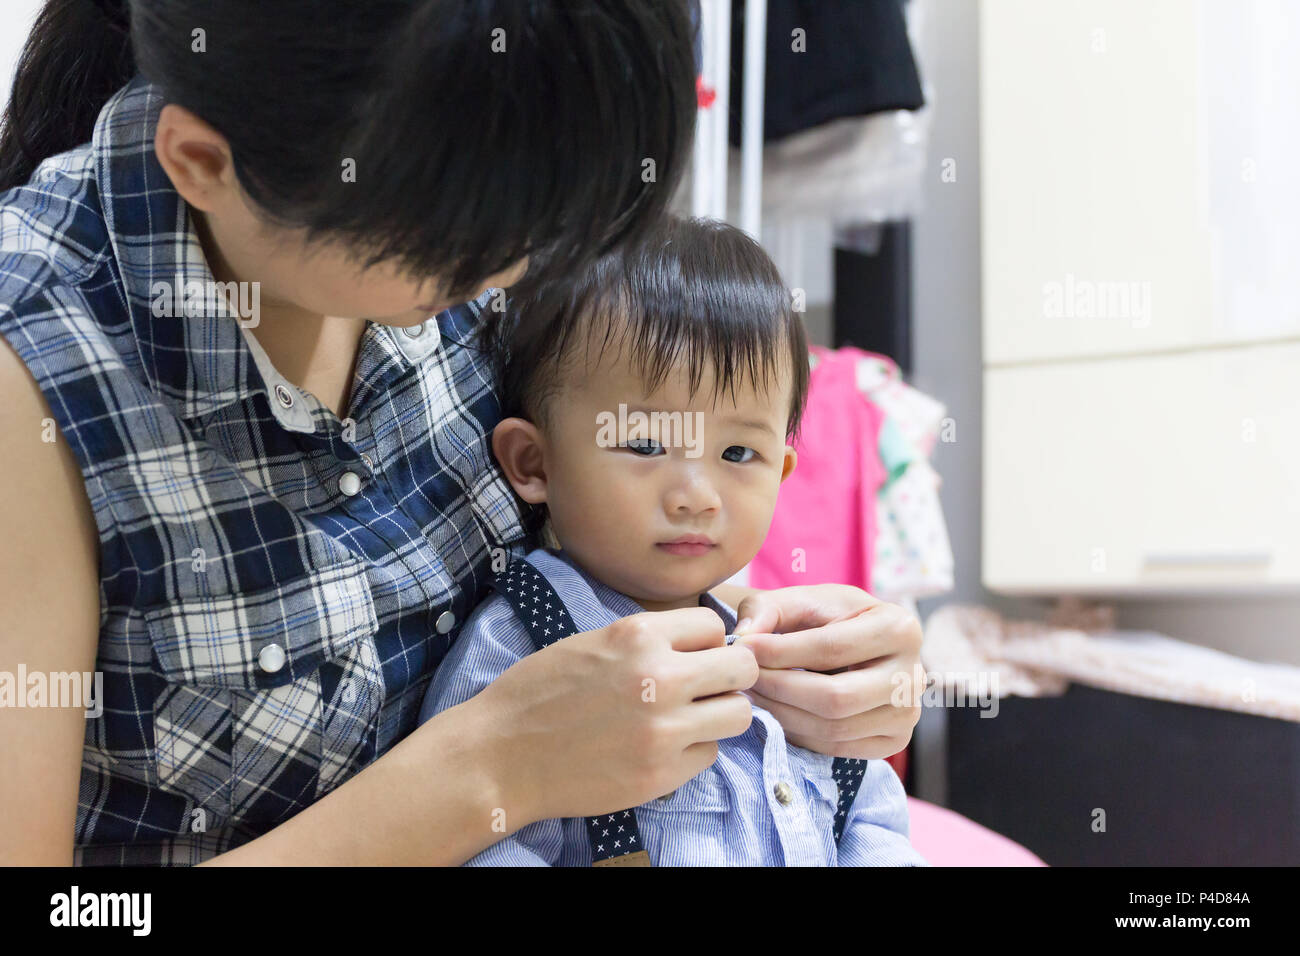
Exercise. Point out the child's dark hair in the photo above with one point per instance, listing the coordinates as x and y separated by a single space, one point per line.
696 291
482 130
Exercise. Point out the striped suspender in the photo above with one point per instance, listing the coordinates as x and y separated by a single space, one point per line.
615 839
848 778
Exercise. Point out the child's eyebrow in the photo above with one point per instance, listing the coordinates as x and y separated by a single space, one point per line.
742 422
750 423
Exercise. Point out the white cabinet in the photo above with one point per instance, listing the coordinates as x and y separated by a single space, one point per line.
1160 473
1141 296
1114 164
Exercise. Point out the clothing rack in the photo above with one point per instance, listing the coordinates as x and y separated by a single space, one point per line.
871 298
709 183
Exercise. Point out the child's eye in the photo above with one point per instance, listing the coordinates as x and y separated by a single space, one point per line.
645 447
742 450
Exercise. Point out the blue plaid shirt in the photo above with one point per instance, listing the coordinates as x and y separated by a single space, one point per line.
732 814
268 627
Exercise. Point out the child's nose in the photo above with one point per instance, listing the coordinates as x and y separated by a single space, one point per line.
693 494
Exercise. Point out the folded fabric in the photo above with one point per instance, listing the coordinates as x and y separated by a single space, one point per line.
1034 659
966 644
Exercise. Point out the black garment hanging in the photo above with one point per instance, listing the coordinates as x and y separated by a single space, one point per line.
856 60
698 36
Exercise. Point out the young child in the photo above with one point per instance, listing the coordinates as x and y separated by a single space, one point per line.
695 312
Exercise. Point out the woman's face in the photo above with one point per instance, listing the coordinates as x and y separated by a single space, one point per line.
327 280
320 279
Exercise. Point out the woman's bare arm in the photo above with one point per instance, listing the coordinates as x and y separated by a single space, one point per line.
49 620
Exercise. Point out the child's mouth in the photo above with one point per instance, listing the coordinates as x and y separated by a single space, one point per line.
687 547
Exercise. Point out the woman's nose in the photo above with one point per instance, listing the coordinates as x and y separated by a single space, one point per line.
504 280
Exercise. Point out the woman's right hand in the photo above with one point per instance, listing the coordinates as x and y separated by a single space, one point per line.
612 718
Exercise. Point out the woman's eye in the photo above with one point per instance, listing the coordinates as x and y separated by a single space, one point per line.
748 453
644 447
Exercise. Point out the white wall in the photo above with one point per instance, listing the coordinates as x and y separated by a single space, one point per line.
16 17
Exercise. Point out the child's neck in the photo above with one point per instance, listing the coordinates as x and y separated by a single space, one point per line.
669 605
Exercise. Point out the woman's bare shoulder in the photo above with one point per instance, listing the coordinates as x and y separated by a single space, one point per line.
49 606
46 520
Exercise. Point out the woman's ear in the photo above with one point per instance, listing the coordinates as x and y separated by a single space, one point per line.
791 458
519 449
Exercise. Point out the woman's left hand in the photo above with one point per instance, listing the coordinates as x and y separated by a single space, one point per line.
858 692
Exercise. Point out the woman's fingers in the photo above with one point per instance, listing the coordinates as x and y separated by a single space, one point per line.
880 631
866 748
883 721
686 629
834 696
715 671
688 655
717 718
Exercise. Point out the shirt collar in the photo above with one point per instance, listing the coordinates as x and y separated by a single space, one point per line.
199 362
622 605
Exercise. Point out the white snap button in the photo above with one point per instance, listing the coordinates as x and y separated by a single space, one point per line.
283 396
446 621
349 483
783 793
271 658
414 331
366 460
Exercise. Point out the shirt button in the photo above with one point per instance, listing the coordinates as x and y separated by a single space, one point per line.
349 483
365 459
414 331
271 658
283 396
783 793
446 621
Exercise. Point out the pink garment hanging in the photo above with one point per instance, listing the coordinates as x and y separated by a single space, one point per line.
824 528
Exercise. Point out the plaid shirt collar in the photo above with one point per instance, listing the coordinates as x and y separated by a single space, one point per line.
198 363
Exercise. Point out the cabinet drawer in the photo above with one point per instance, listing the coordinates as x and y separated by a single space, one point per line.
1146 474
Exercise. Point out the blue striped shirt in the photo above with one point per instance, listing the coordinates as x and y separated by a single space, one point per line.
728 815
277 585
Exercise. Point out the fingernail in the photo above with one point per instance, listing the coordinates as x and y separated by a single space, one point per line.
743 625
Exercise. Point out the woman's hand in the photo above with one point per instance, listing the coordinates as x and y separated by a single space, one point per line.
858 693
611 718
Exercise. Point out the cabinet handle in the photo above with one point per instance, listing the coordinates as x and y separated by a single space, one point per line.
1191 558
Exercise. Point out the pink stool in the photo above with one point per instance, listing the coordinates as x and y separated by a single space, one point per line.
946 838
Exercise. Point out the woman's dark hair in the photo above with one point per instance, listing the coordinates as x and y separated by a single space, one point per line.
481 130
693 291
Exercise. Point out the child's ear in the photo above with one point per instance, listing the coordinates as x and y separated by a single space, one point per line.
519 449
791 458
